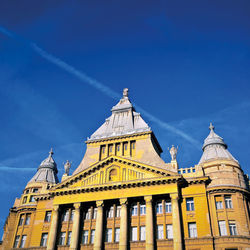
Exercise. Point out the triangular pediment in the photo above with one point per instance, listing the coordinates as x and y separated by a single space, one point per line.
113 169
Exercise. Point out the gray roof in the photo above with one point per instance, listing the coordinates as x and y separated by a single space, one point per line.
124 120
47 171
214 148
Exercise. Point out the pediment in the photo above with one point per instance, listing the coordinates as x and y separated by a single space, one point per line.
112 170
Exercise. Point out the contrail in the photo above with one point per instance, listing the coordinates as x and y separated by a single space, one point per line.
97 85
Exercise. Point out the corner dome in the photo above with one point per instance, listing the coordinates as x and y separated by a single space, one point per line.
215 148
47 171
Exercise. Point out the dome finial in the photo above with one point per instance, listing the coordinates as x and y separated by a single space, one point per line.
51 152
211 127
125 92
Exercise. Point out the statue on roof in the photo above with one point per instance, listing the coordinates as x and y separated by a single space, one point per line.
173 152
125 92
67 166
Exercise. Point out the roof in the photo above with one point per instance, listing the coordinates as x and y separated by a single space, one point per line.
214 148
123 121
47 171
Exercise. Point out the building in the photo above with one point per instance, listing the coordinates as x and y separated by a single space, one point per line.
124 196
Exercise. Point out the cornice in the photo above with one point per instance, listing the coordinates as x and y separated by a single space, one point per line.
23 208
229 189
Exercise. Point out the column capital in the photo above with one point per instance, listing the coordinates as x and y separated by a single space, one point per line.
174 196
148 198
77 205
56 208
123 201
99 203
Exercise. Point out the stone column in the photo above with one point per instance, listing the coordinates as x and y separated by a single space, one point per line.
75 227
123 225
99 226
53 228
176 222
149 223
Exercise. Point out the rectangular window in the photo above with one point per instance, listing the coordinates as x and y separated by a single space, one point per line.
192 230
190 204
47 216
117 234
110 148
32 198
88 214
134 233
142 233
142 209
16 241
65 216
219 205
168 207
118 211
109 235
169 229
62 237
117 147
72 215
44 240
21 220
134 211
159 208
23 240
232 228
85 237
111 212
228 201
94 213
160 232
92 237
69 238
222 227
27 220
24 199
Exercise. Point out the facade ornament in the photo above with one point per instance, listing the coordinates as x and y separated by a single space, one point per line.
211 127
173 152
67 166
125 93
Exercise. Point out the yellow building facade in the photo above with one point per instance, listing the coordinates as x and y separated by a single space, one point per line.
124 196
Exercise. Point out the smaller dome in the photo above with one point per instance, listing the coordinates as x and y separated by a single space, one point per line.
49 163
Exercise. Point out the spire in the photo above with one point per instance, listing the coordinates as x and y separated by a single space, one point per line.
214 147
124 120
47 171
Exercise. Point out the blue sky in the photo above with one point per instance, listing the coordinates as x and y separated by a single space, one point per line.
186 63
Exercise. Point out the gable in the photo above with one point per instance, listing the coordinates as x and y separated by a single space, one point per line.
112 170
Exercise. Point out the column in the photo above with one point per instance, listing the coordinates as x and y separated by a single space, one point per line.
123 225
149 223
176 220
53 228
75 227
99 226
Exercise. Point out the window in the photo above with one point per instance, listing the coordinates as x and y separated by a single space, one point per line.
94 214
27 220
111 212
92 237
219 205
110 148
134 233
159 208
142 233
32 198
35 190
72 215
222 228
103 149
168 207
24 199
88 214
16 241
232 228
65 215
27 191
228 201
160 232
118 211
62 237
44 240
21 220
117 234
23 240
142 209
118 147
169 229
192 230
190 204
85 237
109 235
133 145
134 211
47 216
69 238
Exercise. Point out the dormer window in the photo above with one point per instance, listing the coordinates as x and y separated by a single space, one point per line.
35 190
